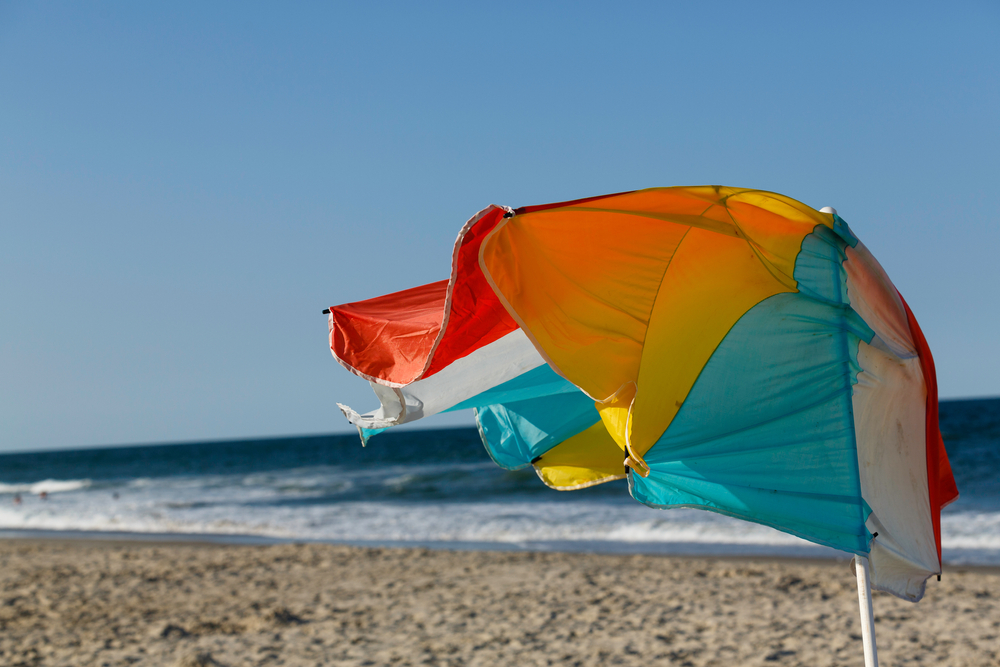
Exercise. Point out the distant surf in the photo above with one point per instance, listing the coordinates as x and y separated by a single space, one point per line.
434 488
46 486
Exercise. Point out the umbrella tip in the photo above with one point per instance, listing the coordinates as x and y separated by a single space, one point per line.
828 209
326 312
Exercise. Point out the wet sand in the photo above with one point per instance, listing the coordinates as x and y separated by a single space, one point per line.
115 603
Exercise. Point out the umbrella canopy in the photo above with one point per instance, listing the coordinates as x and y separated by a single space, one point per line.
723 348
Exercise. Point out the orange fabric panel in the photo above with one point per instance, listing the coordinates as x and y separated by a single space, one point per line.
700 206
388 337
584 282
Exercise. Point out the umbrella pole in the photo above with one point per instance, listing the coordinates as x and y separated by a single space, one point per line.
867 613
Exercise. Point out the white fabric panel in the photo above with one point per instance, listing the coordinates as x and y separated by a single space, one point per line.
388 413
889 417
487 367
874 298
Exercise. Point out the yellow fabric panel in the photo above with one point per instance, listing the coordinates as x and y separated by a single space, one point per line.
711 282
615 413
581 284
588 458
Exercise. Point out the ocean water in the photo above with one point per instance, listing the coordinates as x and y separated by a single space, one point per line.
432 487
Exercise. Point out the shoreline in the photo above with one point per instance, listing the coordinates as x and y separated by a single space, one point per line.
97 602
707 550
111 540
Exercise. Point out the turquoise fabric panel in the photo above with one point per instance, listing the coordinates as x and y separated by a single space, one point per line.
525 417
844 232
540 381
819 268
767 432
368 433
517 433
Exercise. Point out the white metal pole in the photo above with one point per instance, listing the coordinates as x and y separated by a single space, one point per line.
867 614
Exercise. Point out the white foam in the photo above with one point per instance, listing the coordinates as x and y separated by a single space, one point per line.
970 530
46 486
278 505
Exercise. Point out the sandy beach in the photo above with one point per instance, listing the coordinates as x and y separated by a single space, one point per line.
114 603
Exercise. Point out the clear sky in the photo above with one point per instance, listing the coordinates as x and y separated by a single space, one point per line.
185 186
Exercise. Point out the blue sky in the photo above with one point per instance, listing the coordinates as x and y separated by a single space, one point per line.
185 186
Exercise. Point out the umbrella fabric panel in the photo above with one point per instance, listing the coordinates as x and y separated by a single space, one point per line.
711 283
516 434
600 273
889 408
588 458
781 452
399 338
543 419
525 417
388 338
905 475
873 296
637 280
368 433
479 371
474 316
941 481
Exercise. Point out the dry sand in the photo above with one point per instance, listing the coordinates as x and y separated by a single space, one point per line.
93 603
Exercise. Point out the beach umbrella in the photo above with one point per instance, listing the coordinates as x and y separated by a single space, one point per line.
727 349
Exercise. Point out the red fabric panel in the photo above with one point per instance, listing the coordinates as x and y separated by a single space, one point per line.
389 337
476 317
940 481
574 202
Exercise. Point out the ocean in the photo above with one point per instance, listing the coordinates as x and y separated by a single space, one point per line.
435 488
